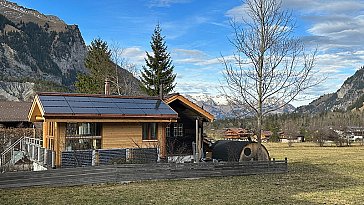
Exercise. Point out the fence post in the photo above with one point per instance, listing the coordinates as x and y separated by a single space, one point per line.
45 157
38 154
286 163
53 159
33 152
93 160
127 154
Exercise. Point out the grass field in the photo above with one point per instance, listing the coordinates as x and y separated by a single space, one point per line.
317 175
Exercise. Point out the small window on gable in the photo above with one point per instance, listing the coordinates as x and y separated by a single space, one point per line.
150 131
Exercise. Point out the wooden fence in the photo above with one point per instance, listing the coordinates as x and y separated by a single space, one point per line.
138 172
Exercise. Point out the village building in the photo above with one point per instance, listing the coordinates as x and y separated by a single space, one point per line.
14 114
237 133
84 121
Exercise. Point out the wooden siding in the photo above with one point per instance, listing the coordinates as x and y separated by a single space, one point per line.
114 135
129 135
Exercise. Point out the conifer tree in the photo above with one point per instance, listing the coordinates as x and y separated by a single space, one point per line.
159 68
98 61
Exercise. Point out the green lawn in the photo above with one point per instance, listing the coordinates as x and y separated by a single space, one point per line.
317 175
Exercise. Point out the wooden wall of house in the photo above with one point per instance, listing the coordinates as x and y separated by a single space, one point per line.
114 135
129 135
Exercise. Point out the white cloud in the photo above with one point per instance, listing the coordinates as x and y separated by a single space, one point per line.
197 87
135 55
166 3
324 6
195 57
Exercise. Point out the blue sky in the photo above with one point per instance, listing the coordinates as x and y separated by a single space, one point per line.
197 33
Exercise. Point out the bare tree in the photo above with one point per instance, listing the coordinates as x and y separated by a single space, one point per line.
270 67
122 80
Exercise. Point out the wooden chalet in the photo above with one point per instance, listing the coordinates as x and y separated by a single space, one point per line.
266 135
237 133
84 122
80 121
189 126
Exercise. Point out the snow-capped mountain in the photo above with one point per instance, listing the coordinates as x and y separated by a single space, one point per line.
220 108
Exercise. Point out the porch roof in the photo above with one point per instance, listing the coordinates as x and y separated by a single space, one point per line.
189 104
85 106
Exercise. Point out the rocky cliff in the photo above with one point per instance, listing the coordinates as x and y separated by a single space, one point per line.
350 96
41 53
35 47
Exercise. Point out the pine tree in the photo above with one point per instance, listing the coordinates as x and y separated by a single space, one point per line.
98 61
159 68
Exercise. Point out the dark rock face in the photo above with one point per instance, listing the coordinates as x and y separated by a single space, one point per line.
350 96
40 49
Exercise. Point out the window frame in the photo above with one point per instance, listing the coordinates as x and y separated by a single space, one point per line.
147 131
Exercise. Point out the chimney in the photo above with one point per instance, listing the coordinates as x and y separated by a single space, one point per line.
161 91
107 86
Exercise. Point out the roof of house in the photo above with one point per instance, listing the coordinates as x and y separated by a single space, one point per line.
14 111
177 97
67 105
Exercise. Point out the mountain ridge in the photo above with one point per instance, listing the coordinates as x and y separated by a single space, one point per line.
220 108
348 97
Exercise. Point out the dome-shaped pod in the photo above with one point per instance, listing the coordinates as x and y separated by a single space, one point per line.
251 152
228 150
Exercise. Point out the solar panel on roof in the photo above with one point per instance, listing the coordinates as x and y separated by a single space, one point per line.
148 106
167 112
99 105
104 104
127 105
77 98
84 110
132 111
80 104
163 106
109 111
141 101
122 100
50 109
51 98
100 99
151 111
54 103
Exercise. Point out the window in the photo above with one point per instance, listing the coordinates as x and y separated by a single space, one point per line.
83 136
168 131
178 130
50 131
150 131
83 129
82 144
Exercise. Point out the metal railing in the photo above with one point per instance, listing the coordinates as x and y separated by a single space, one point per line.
7 157
31 148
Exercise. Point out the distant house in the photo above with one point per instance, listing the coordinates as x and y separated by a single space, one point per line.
84 121
237 133
14 114
354 133
298 138
266 135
